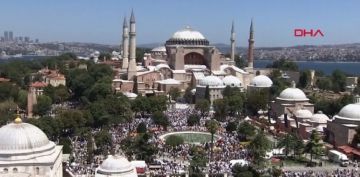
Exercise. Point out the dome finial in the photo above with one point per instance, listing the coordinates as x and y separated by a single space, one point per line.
293 84
18 119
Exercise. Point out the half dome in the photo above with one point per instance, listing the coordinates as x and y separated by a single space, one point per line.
261 81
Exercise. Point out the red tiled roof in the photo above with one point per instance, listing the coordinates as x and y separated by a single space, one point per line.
38 84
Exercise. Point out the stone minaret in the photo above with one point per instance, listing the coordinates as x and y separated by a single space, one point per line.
232 41
125 45
251 47
132 57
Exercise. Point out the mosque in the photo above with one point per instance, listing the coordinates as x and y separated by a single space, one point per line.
187 60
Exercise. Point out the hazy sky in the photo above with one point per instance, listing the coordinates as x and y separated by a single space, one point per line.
100 21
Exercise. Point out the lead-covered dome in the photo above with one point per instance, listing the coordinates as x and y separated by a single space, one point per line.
232 81
349 112
261 81
20 141
319 118
303 113
292 94
211 81
187 36
159 49
116 166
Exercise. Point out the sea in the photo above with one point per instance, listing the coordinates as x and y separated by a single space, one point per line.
350 68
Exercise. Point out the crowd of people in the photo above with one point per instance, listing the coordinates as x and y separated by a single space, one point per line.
335 173
177 160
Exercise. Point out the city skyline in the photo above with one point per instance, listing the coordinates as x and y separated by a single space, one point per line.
99 22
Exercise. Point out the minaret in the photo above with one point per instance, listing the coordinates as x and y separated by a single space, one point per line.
251 47
125 45
132 57
232 41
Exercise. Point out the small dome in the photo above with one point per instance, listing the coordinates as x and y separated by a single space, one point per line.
320 118
211 81
21 136
293 94
232 81
20 141
170 81
159 49
188 34
350 112
319 128
116 165
159 66
261 81
303 113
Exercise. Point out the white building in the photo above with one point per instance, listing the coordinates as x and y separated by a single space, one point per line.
25 151
116 166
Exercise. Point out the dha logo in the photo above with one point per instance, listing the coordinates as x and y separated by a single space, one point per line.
306 33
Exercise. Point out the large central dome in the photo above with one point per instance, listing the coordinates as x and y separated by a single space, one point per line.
187 36
188 33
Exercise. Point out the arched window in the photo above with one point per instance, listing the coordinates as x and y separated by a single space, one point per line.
5 170
15 170
37 171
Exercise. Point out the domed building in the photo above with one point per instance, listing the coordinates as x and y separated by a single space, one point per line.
116 166
25 151
215 85
342 128
232 81
190 47
261 81
290 100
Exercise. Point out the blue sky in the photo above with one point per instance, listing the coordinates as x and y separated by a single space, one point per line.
100 21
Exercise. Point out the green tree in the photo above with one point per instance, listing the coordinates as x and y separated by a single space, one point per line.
141 105
202 105
188 96
244 171
193 119
221 109
338 79
284 64
212 126
43 105
8 91
304 79
71 121
246 130
256 100
231 127
141 128
258 148
207 93
174 141
159 118
288 142
324 83
103 141
66 143
174 93
314 146
22 99
158 103
140 146
198 161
